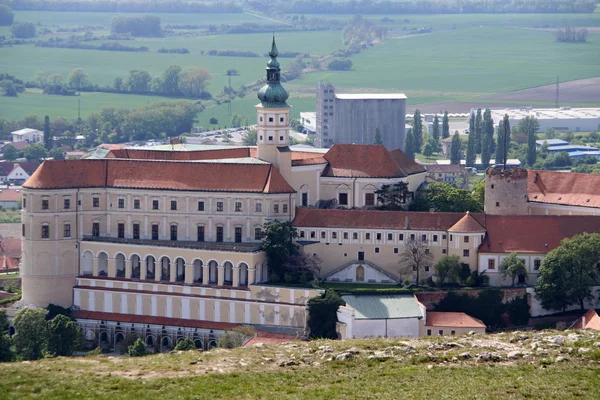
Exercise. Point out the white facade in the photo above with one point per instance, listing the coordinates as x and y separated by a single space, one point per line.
27 134
560 119
373 328
487 260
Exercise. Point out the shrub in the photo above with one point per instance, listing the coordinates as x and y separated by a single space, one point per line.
340 64
185 344
93 353
229 340
6 353
137 349
245 330
322 314
31 338
518 311
63 336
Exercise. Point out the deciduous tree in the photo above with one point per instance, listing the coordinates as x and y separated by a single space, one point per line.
415 257
471 156
529 126
63 336
478 131
31 337
170 80
445 126
377 139
139 81
48 137
35 152
278 244
78 79
447 267
10 153
512 267
393 197
192 81
455 149
409 145
435 134
417 131
6 15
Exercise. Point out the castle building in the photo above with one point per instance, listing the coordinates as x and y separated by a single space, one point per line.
165 242
355 117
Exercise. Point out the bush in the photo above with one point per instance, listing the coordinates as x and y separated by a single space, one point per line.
185 344
245 330
54 310
518 311
93 353
229 340
31 337
137 349
487 306
340 64
63 336
322 314
6 353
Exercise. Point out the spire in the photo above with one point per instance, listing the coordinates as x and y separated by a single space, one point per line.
273 53
273 94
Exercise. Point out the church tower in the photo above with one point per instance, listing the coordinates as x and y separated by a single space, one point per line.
273 118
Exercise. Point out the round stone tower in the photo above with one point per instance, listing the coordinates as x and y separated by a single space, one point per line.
506 191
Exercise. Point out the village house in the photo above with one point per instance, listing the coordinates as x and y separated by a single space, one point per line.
27 135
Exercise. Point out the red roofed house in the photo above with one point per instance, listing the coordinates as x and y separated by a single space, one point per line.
589 320
451 323
16 172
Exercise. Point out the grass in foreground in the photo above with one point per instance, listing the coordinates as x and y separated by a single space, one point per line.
433 368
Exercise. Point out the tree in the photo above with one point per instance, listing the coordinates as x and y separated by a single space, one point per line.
10 153
417 131
485 151
529 126
250 138
322 314
436 129
6 353
415 257
443 197
23 30
340 64
393 197
409 146
170 80
139 81
302 267
63 336
57 153
192 81
488 130
48 139
427 149
231 72
377 139
550 133
569 272
6 15
35 152
455 149
471 156
512 266
118 84
8 88
447 267
213 121
78 79
31 337
445 126
472 123
503 140
278 244
143 25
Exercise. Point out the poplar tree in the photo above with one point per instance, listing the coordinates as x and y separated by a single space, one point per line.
417 131
409 146
47 133
478 131
436 129
501 148
377 139
455 149
445 126
488 129
471 155
529 126
485 151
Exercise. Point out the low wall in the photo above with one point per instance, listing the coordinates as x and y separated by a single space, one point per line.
430 299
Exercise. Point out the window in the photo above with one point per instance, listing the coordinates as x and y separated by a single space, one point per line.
441 332
96 202
312 234
343 199
361 256
466 253
154 231
238 206
219 206
270 119
271 138
136 231
423 237
96 229
414 268
334 235
395 250
435 238
45 204
24 202
155 204
390 236
450 237
412 236
401 236
426 251
200 206
443 251
67 231
355 235
370 199
376 250
219 233
302 234
378 236
136 204
258 207
453 332
537 264
173 205
427 268
121 231
45 232
497 204
280 119
492 186
66 204
22 229
173 232
466 239
443 237
258 234
491 264
121 203
304 199
428 332
201 233
275 208
281 138
323 235
285 208
238 234
345 235
367 236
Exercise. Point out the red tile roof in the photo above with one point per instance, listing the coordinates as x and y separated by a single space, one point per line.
6 167
589 320
452 320
467 224
533 233
19 145
150 154
8 263
145 174
567 188
444 168
309 161
368 161
10 247
29 166
10 194
373 219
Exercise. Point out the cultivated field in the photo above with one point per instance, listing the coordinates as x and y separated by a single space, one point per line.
536 365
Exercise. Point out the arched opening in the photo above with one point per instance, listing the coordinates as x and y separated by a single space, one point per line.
213 273
198 271
104 338
360 273
150 264
135 266
87 263
265 273
166 343
120 264
243 274
258 273
165 269
119 337
212 344
199 344
228 273
150 341
180 270
90 336
305 195
102 264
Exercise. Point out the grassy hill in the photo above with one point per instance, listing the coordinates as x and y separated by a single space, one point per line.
541 365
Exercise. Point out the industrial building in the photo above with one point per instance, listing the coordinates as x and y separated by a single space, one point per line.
573 150
354 118
562 119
